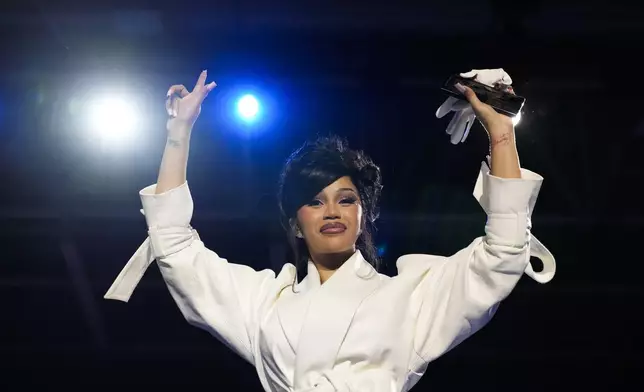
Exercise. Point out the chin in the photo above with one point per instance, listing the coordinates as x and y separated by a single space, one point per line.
337 245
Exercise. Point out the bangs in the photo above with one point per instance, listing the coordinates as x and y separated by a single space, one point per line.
316 165
306 181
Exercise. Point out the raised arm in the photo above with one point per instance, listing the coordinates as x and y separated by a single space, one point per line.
459 295
222 298
183 108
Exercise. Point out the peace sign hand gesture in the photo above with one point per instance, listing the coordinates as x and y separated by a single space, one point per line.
184 107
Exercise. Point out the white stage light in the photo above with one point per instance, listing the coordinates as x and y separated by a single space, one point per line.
248 107
113 119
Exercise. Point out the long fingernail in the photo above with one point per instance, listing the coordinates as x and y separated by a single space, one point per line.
169 93
460 88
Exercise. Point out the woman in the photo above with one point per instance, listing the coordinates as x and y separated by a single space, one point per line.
344 327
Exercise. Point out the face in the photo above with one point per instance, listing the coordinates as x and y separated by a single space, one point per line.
331 222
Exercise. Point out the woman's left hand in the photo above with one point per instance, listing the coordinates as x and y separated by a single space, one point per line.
495 123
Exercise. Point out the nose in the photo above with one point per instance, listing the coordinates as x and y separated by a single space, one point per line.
331 212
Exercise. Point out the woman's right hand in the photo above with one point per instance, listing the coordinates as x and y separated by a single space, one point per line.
184 107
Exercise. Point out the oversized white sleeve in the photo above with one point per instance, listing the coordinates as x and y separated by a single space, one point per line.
222 298
458 295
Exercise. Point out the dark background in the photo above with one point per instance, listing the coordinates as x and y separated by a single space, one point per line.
369 71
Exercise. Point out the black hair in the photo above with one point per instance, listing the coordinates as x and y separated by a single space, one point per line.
313 167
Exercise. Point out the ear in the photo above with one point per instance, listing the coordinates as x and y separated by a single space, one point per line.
295 227
364 221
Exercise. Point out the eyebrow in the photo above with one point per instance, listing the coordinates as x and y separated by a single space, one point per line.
347 189
343 190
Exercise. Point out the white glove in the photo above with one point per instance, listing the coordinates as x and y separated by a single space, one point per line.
459 126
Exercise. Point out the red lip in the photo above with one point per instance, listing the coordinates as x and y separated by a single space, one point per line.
333 228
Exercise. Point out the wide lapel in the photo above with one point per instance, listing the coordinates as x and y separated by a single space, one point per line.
329 315
294 304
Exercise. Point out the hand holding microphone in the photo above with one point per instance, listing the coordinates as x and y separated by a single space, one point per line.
466 111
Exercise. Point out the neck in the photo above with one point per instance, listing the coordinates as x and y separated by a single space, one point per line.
328 263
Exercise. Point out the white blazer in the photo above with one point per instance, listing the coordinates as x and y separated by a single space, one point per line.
360 330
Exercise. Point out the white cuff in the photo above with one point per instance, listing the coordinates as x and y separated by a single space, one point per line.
169 209
168 218
516 196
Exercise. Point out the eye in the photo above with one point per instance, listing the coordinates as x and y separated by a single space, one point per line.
314 203
348 200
